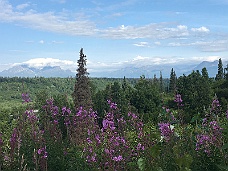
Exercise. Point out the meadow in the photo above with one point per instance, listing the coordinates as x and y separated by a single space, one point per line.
134 124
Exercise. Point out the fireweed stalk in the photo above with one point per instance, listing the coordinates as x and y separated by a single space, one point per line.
51 118
26 132
165 127
109 148
211 136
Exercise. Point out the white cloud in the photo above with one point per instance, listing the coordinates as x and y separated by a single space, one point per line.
153 31
60 1
175 44
118 14
140 58
48 21
41 41
82 26
206 58
205 46
59 22
141 44
182 27
18 51
41 62
96 66
157 43
200 29
57 42
22 6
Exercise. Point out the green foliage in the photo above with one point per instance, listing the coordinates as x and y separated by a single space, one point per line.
196 93
141 164
172 81
219 75
82 91
141 95
145 98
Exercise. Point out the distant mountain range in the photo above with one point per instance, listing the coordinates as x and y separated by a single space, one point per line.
150 70
130 71
26 71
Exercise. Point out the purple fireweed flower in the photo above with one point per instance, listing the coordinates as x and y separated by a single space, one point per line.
55 122
55 110
67 122
97 137
25 98
39 151
112 105
121 120
166 131
215 104
13 139
119 158
134 116
42 151
88 132
140 146
178 98
89 141
203 142
107 151
108 124
93 158
227 114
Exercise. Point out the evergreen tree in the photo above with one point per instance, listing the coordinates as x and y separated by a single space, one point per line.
161 82
155 80
82 92
219 76
172 81
124 85
205 73
196 92
145 98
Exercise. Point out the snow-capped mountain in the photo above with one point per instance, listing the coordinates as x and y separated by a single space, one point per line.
26 71
129 71
150 70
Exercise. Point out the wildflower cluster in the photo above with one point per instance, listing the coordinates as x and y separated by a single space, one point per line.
178 100
59 139
42 152
25 98
211 136
166 130
109 148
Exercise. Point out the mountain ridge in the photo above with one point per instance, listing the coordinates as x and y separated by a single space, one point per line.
131 71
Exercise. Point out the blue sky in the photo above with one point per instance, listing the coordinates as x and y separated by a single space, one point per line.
114 33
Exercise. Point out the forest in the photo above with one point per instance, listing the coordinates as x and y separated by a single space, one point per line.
83 123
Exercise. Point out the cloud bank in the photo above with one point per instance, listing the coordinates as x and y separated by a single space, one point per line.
95 66
61 23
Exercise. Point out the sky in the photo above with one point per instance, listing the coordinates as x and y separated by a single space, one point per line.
113 34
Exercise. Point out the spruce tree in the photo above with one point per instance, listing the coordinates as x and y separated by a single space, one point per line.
219 76
205 74
172 81
161 82
82 93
